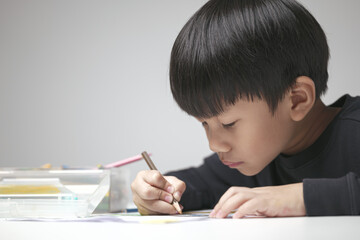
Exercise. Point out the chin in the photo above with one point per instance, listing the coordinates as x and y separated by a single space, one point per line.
248 172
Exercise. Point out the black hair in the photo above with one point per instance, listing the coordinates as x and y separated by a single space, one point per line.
245 49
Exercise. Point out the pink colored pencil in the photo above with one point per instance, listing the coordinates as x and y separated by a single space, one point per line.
124 161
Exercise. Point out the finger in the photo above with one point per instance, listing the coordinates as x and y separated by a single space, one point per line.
159 207
225 197
149 192
143 210
156 179
179 186
228 194
232 203
250 208
146 191
147 207
162 207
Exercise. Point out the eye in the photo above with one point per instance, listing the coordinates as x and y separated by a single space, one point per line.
204 124
229 125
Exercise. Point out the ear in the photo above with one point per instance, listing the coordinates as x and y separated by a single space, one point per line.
303 97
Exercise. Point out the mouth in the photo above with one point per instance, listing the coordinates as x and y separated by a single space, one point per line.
232 164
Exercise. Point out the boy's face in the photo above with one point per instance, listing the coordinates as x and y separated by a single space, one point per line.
247 136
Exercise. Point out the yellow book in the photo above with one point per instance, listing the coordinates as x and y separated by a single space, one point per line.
28 189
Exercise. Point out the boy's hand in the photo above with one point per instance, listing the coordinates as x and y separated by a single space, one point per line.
153 193
285 200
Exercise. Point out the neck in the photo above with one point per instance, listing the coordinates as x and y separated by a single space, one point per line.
308 130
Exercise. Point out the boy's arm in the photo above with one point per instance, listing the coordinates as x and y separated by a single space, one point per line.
340 196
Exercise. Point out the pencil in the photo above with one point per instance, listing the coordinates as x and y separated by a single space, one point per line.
124 161
153 167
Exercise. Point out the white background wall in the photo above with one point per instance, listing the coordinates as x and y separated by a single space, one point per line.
85 82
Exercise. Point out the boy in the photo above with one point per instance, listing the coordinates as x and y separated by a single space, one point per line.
252 72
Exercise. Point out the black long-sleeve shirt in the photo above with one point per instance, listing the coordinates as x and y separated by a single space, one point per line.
329 170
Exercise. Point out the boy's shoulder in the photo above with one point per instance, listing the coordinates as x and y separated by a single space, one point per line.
350 107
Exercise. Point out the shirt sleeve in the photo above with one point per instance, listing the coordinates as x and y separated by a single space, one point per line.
330 197
207 183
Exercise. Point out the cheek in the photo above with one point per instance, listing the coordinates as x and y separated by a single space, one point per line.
261 141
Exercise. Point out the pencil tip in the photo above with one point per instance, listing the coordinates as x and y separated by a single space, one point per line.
177 206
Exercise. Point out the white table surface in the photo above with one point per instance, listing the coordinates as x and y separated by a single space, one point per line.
344 227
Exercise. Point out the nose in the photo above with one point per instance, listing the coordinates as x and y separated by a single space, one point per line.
217 142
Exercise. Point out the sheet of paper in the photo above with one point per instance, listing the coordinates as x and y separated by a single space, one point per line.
125 218
201 215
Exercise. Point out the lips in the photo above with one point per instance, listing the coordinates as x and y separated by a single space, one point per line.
232 164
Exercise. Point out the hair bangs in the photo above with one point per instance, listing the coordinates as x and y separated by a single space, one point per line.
205 92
